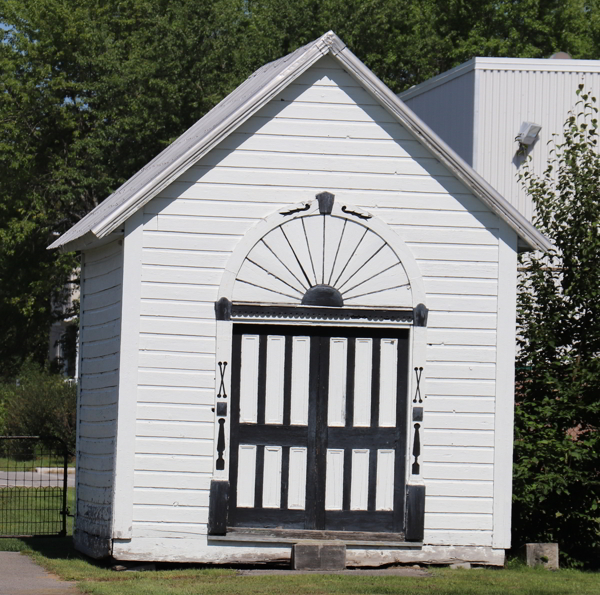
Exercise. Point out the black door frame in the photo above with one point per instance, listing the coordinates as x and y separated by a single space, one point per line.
317 436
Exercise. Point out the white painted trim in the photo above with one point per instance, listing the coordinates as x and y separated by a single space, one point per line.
438 81
128 378
224 352
89 241
332 44
499 64
537 65
505 385
461 170
263 227
211 140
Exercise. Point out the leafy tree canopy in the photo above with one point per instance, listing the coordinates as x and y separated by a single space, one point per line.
91 90
557 448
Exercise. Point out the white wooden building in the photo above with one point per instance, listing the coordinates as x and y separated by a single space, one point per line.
298 321
478 109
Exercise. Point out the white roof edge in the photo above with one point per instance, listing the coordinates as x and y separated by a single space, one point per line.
440 79
508 64
328 43
464 172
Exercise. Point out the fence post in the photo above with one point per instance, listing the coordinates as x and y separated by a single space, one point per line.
65 489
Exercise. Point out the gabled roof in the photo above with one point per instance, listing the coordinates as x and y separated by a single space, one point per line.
240 105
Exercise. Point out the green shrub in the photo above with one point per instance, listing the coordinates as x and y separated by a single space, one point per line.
39 403
557 418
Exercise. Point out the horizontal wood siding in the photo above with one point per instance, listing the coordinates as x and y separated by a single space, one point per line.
101 280
323 132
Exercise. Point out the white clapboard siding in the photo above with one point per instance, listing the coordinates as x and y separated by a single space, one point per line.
455 504
100 325
454 437
326 134
175 394
174 446
167 479
174 497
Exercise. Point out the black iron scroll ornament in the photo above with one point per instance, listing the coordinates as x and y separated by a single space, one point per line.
356 213
297 210
418 374
222 393
416 468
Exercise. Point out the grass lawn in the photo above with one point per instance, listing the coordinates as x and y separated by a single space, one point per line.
58 556
33 511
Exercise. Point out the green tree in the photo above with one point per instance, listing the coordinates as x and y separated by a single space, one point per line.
90 91
557 422
37 402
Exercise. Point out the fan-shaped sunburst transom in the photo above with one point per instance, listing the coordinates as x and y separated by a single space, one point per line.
337 250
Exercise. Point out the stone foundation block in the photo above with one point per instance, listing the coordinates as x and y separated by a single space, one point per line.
545 554
318 556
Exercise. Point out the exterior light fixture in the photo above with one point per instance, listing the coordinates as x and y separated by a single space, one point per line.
528 133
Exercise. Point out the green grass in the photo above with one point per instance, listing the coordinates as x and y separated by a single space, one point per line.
58 556
33 511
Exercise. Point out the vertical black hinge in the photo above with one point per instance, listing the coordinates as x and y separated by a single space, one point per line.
416 468
218 507
221 445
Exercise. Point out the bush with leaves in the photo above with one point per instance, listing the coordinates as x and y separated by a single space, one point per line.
557 417
40 403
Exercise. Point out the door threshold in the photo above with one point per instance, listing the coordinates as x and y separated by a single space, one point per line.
352 538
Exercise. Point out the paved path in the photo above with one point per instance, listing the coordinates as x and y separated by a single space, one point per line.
19 575
34 479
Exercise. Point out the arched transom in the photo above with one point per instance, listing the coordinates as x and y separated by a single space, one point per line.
330 258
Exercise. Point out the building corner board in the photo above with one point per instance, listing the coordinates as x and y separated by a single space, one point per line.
128 378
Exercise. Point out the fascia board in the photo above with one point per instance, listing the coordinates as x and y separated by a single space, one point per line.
537 65
215 136
515 64
436 81
438 147
87 242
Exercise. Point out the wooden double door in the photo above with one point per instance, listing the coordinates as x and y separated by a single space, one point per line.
318 428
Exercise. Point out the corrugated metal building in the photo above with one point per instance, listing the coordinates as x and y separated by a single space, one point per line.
479 106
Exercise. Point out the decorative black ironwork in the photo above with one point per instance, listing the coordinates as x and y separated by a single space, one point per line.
323 295
420 315
222 409
417 413
297 210
416 468
221 445
223 309
222 392
418 374
356 213
325 202
245 311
